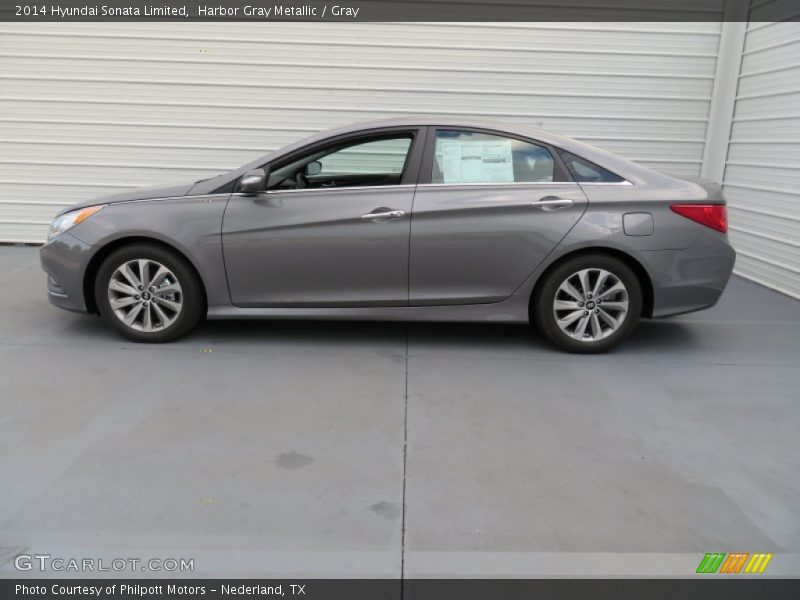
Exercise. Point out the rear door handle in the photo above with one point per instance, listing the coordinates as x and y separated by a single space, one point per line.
551 203
385 214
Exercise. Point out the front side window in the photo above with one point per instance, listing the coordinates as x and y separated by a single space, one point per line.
387 156
474 157
584 171
366 162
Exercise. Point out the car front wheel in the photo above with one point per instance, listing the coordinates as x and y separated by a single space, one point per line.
588 303
148 294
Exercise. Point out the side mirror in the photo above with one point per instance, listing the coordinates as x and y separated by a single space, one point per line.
253 182
314 168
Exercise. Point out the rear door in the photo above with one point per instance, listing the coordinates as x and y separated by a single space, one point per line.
489 208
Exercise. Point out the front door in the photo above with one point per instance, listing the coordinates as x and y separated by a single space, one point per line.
331 230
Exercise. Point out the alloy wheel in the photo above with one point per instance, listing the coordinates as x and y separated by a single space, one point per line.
145 295
590 304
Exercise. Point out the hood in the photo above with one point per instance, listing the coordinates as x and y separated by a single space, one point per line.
136 194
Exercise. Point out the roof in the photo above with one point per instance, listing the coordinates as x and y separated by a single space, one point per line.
622 166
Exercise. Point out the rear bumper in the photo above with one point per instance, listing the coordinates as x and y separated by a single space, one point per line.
690 279
64 259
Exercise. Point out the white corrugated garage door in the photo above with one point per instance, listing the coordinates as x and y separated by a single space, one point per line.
93 108
762 175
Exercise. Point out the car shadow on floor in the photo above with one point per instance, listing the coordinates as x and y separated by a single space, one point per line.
649 336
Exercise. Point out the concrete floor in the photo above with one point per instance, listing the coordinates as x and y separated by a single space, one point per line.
275 448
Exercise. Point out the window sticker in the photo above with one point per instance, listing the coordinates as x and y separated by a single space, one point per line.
471 161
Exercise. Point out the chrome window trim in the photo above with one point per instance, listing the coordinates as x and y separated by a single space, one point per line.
379 187
624 182
499 184
400 186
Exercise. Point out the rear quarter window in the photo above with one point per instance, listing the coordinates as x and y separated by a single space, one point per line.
584 171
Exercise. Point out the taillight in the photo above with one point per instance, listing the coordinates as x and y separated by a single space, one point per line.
710 215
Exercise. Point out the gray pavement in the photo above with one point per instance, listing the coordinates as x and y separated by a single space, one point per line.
363 449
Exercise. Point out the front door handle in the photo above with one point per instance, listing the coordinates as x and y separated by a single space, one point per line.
551 203
384 214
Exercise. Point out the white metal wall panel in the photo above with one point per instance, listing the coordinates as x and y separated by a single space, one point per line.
762 174
87 109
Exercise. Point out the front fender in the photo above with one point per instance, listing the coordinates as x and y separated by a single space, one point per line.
191 225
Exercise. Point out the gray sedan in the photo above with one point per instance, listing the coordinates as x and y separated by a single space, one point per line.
408 219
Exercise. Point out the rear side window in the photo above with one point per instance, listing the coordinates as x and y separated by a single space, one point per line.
584 171
473 157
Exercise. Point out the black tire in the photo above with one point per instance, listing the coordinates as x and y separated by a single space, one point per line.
191 296
543 310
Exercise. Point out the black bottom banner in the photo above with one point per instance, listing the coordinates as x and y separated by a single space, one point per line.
413 589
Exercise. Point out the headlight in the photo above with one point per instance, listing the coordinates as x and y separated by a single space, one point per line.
70 219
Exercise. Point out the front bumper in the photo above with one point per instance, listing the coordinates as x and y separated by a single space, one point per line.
65 260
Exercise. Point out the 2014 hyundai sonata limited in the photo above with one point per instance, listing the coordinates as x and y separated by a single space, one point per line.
406 219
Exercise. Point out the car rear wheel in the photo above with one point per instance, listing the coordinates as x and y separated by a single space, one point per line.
148 294
588 304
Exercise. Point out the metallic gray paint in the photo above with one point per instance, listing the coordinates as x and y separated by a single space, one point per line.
312 247
473 244
460 253
65 259
189 225
638 223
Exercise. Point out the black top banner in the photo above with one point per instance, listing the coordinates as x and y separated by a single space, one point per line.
400 10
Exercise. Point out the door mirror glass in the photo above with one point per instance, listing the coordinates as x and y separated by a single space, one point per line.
313 168
253 182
